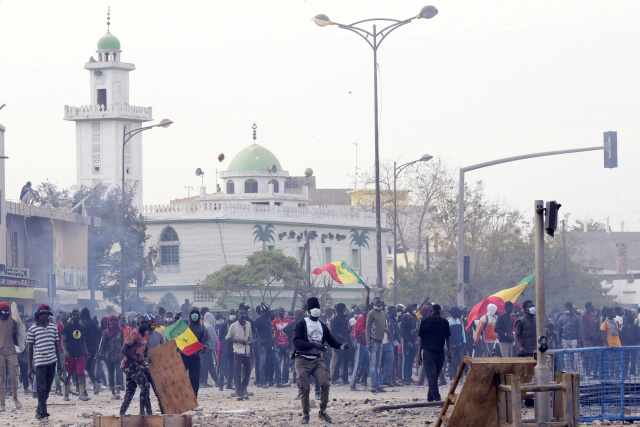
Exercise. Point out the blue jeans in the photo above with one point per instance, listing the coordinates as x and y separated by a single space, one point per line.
409 358
387 361
265 351
375 357
360 360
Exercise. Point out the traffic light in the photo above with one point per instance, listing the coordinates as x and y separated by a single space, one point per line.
551 217
611 149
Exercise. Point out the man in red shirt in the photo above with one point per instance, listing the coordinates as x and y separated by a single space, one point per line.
282 343
361 357
135 359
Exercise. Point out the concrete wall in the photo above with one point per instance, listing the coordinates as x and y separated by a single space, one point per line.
598 249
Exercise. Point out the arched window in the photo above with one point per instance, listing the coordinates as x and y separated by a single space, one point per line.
230 188
169 247
276 185
251 186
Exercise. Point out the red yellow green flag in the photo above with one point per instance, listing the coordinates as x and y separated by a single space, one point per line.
340 272
185 338
512 294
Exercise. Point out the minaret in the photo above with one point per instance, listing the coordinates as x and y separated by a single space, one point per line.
100 125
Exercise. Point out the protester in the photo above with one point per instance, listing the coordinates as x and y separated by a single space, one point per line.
63 320
386 362
457 340
282 343
206 358
504 328
375 330
92 341
610 329
134 362
155 337
266 346
309 337
394 328
192 362
8 356
361 355
226 366
75 354
110 351
42 355
525 334
409 332
486 330
433 334
590 336
240 335
570 332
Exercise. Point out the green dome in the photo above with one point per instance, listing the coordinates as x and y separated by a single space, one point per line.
254 158
108 42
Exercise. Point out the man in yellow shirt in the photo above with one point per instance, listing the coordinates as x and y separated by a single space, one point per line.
610 329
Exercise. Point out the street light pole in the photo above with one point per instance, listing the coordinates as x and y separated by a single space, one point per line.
126 137
461 290
396 172
322 20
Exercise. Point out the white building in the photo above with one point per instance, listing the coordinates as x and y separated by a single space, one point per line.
101 123
198 236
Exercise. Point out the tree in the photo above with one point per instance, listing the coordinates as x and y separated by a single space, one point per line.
169 302
228 281
415 287
105 202
591 226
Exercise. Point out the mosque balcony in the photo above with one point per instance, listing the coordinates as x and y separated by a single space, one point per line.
208 210
261 173
109 65
113 111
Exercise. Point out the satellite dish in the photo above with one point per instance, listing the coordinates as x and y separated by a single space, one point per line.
199 172
273 168
308 172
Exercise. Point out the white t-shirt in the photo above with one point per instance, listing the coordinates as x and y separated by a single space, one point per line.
314 334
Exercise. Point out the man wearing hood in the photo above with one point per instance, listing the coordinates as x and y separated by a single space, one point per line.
433 335
240 336
92 341
206 358
486 329
525 335
340 329
110 351
8 356
192 362
309 337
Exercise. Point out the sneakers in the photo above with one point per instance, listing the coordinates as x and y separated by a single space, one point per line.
17 403
305 419
317 396
418 383
441 383
325 417
96 388
282 385
66 397
117 396
299 396
84 397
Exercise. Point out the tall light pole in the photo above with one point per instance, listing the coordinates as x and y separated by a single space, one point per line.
126 136
371 37
396 172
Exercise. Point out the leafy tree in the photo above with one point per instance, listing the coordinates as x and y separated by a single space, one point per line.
415 287
168 301
105 202
264 235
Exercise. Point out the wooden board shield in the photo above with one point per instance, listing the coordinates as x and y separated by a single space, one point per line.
171 380
22 329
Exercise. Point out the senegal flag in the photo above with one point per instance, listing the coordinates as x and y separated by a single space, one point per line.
340 272
185 339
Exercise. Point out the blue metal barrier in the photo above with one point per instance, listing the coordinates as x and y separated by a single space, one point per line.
609 380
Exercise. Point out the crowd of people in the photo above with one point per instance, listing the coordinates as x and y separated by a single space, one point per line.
373 345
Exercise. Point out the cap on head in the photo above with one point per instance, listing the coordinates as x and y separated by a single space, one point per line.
313 303
568 304
4 305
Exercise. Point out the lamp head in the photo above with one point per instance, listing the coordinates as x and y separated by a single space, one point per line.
165 123
323 20
427 12
426 158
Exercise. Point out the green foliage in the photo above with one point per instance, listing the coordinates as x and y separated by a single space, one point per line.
168 301
360 239
416 285
265 275
105 202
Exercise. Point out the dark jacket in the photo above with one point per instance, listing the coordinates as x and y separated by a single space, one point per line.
570 327
226 346
526 334
409 328
301 341
340 327
198 330
504 326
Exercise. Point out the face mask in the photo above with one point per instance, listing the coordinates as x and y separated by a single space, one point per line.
281 315
219 322
152 327
144 329
232 317
532 310
195 317
413 312
345 313
315 312
567 312
243 317
4 315
377 308
167 319
122 323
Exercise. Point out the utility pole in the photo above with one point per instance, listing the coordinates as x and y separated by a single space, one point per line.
427 251
308 251
541 371
305 255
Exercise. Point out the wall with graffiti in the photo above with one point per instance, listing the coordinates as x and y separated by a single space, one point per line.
71 276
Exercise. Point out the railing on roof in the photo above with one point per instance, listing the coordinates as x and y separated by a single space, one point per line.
126 111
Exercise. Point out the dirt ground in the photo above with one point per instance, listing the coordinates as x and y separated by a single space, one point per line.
267 407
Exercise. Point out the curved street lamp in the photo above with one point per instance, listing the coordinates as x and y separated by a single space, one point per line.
374 38
396 172
126 137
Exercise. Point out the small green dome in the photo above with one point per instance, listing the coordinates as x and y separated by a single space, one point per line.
108 42
254 158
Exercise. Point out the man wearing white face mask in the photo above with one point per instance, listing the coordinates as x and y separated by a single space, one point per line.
525 335
309 337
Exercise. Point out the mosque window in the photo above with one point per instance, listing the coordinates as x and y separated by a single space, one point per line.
230 187
276 185
169 247
251 186
102 98
355 259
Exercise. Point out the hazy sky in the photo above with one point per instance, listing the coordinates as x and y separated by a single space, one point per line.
480 81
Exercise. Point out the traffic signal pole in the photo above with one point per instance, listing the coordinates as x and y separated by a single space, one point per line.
609 148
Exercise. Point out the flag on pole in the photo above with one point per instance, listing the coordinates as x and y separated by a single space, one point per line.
512 294
185 338
340 272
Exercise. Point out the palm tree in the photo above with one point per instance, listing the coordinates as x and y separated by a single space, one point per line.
263 235
359 239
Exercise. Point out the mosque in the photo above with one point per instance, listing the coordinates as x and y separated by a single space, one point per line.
259 206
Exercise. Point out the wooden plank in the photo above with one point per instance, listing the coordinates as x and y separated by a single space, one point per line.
502 404
477 402
106 421
183 420
131 420
575 392
452 397
559 401
152 421
171 380
516 407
